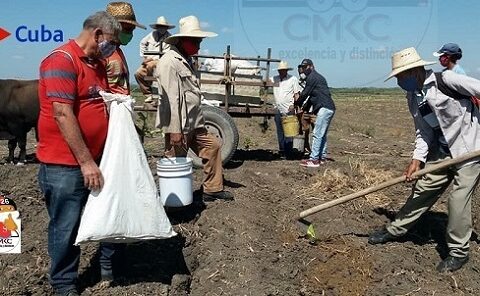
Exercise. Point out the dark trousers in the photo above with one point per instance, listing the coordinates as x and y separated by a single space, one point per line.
285 145
65 196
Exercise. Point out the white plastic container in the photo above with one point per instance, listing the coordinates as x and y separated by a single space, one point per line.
299 143
175 181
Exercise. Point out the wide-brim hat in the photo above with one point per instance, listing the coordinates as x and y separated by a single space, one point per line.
162 22
123 12
406 59
283 65
189 26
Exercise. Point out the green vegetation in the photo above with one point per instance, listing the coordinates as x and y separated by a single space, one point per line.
366 93
146 123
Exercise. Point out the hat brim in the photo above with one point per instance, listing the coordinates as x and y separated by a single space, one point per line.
154 26
195 34
438 54
132 23
288 69
407 67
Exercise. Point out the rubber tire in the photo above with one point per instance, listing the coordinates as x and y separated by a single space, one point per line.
218 120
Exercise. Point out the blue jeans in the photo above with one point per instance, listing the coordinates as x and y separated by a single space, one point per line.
319 142
65 197
284 144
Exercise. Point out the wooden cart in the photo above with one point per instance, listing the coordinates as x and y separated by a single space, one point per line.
230 95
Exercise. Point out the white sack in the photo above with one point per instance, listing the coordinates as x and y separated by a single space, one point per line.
128 207
238 66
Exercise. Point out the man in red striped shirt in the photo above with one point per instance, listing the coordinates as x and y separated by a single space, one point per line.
72 129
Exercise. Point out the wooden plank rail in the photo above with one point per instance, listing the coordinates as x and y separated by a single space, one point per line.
257 59
229 81
234 111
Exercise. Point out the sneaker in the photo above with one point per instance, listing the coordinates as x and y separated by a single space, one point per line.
451 264
311 163
221 195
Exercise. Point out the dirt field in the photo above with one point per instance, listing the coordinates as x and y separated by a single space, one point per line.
251 246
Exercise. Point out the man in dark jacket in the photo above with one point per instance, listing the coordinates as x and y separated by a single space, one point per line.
319 100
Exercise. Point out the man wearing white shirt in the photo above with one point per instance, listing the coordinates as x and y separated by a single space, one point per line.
152 43
285 88
446 127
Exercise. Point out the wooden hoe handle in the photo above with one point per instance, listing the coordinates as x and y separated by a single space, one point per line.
429 169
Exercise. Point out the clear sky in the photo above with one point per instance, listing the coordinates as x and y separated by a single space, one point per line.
350 41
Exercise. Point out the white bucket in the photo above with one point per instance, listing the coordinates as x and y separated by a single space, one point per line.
175 181
299 143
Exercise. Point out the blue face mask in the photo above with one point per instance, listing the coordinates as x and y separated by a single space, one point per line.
409 83
106 48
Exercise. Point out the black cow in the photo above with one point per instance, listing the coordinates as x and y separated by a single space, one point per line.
19 109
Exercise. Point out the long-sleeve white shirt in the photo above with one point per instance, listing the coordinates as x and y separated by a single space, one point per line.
284 91
149 44
457 119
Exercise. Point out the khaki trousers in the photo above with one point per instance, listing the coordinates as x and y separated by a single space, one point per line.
427 191
207 147
142 72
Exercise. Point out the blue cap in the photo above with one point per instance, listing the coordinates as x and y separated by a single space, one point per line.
449 49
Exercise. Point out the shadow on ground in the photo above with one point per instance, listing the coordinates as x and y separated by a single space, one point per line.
150 261
431 227
259 155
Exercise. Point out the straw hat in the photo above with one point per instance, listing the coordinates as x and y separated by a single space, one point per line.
406 59
123 12
162 21
189 27
283 65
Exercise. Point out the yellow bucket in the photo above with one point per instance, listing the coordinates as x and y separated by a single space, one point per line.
290 126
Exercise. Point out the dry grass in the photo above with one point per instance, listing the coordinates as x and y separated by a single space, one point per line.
360 175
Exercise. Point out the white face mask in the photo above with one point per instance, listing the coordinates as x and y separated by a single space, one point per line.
303 76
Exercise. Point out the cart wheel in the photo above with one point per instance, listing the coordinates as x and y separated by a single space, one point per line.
222 126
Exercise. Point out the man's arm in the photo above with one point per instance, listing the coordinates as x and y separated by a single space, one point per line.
463 84
421 146
68 125
169 81
310 85
60 77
